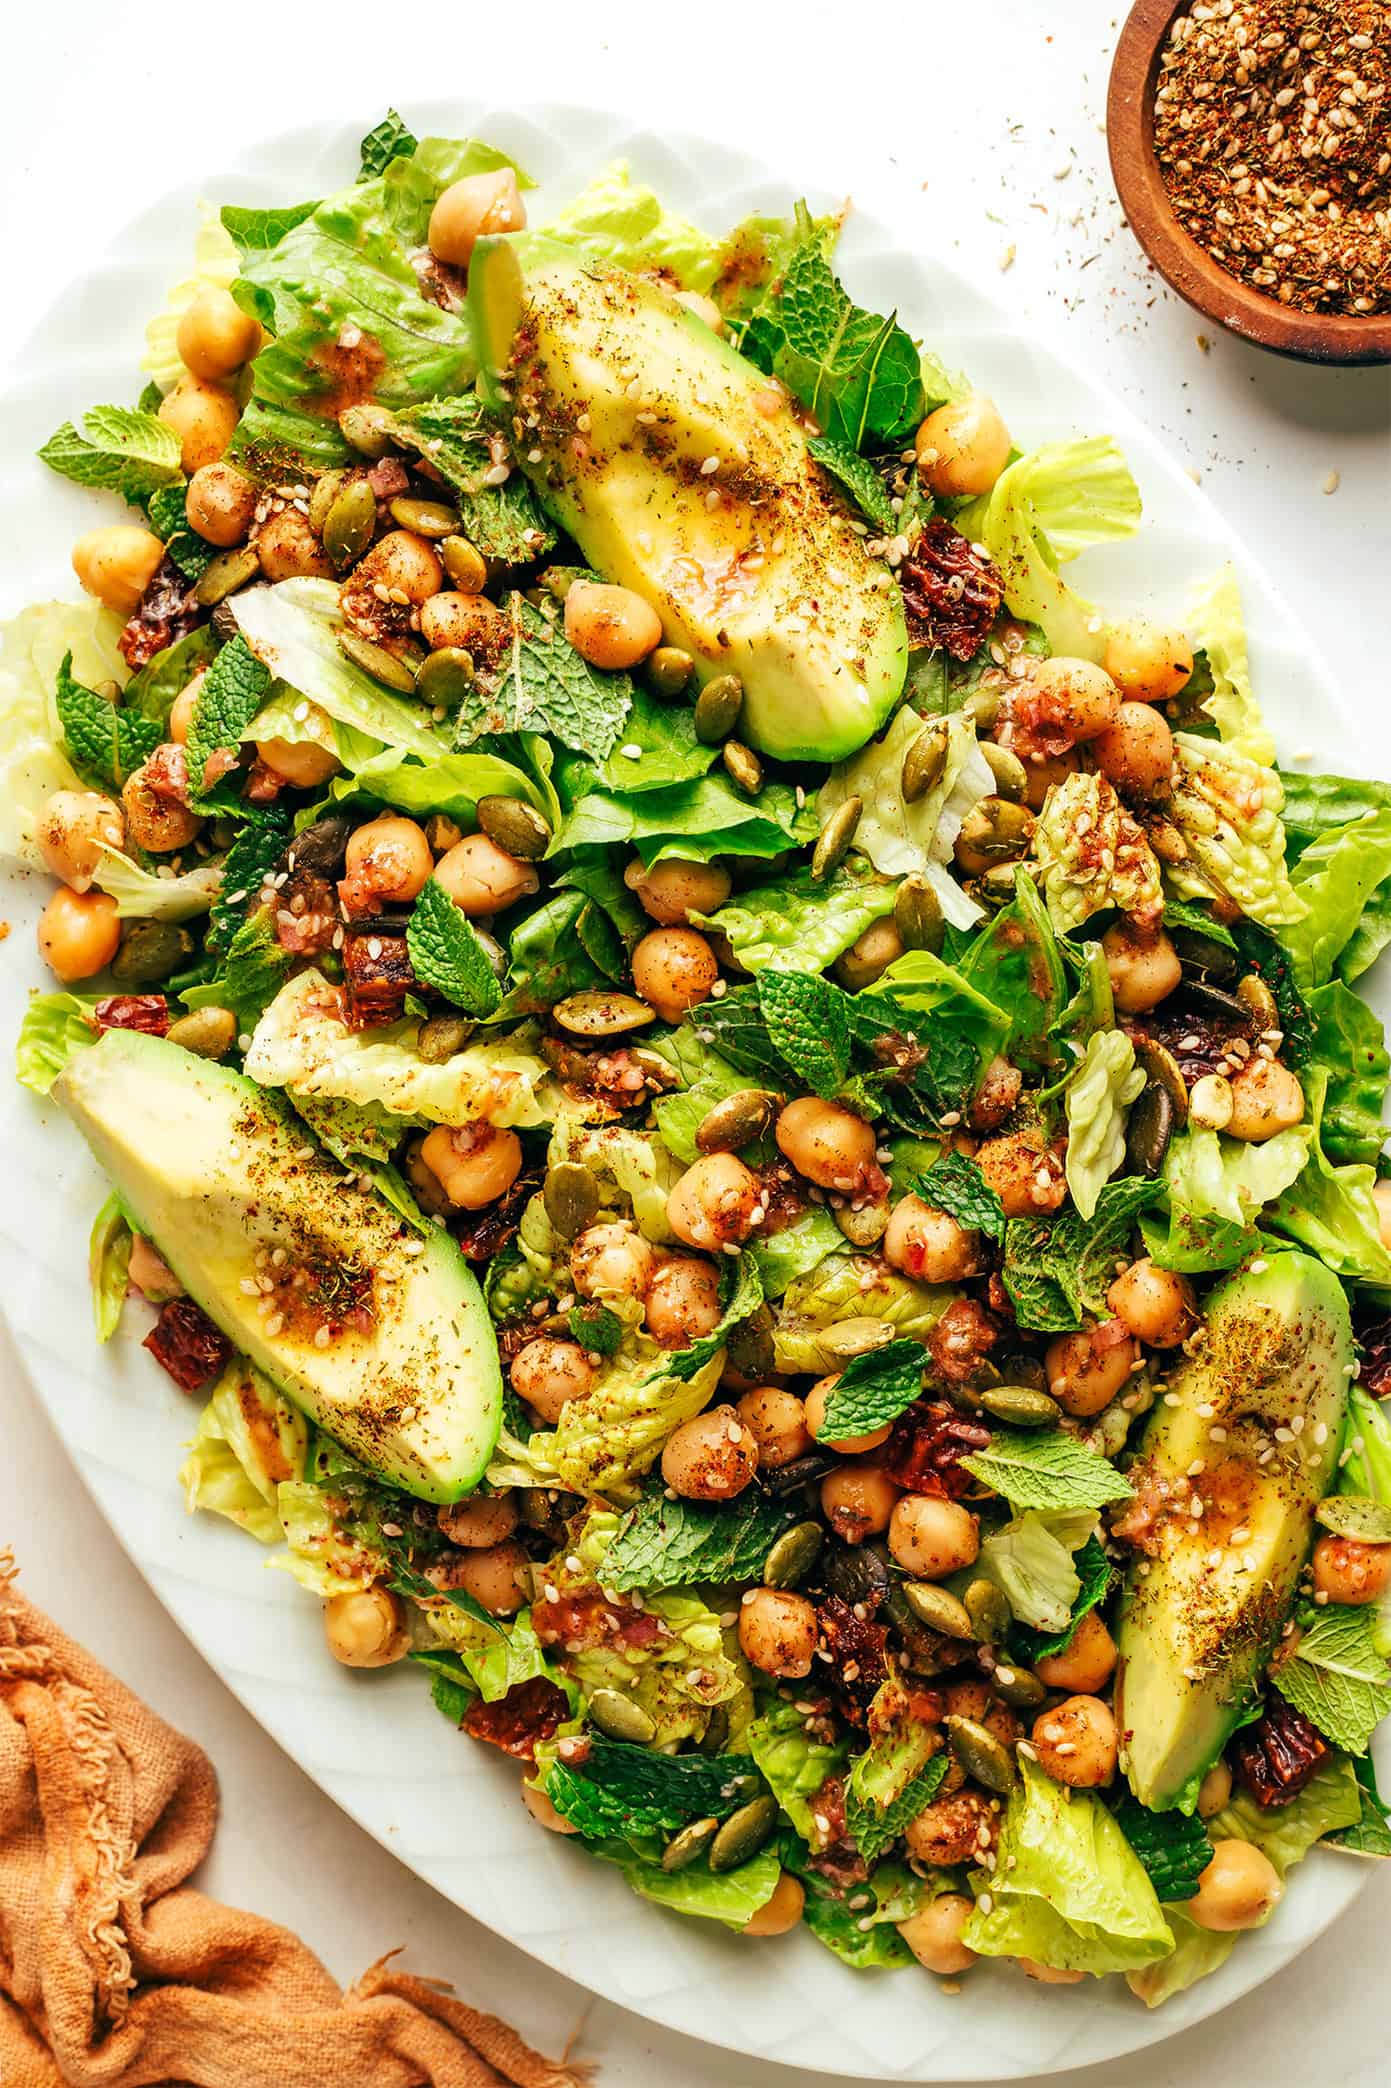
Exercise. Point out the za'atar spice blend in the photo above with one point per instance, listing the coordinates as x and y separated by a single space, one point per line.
1272 127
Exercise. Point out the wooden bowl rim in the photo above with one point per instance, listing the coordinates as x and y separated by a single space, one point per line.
1334 337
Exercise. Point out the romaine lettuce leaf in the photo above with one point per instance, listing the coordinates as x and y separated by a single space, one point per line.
1336 876
1092 855
1331 1209
1196 1952
1227 809
1217 1188
1030 1560
149 895
900 838
733 1897
798 922
33 760
1286 1833
1097 1097
108 1267
859 1923
850 1286
1217 626
496 1655
249 1441
1015 960
613 1433
707 1079
693 821
782 1257
795 1764
55 1025
1348 1041
634 1170
322 1552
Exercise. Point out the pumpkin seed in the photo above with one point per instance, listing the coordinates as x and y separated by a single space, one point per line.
440 1036
862 1226
742 766
1023 1370
669 669
209 1033
856 1572
982 709
571 1197
1011 776
1163 1068
1356 1515
1151 1124
792 1556
384 667
465 564
367 429
988 1611
601 1014
918 915
427 518
938 1608
350 524
717 709
689 1845
837 833
515 826
993 831
326 491
619 1718
855 1337
924 760
744 1833
980 1754
1255 995
736 1121
995 888
1202 953
1021 1405
1219 1002
223 575
152 950
108 690
445 677
1019 1689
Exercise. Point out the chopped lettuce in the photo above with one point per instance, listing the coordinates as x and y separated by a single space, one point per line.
1030 1560
850 1286
608 1437
781 1257
901 838
1227 808
794 1764
1096 1098
633 1168
55 1025
1016 960
618 223
733 1897
322 1552
1196 1952
1337 876
1347 1040
1332 1209
1286 1833
693 822
1217 1188
497 1654
1218 627
33 763
799 922
108 1267
249 1443
707 1079
860 1926
1092 855
157 895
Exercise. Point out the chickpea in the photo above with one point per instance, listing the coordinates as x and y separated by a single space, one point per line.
181 709
1049 1975
963 447
79 933
830 1145
366 1628
544 1812
463 620
1137 752
1142 965
1076 1742
1155 1304
474 1163
1349 1570
610 626
482 879
674 969
848 1446
711 1457
1086 1664
781 1911
777 1631
403 561
156 816
203 416
1148 660
470 207
1381 1197
953 1830
1074 697
933 1934
858 1500
869 956
151 1273
1086 1370
215 336
496 1577
671 891
1237 1890
973 1698
481 1522
1045 773
1266 1098
612 1261
683 1302
777 1421
1026 1175
220 504
714 1202
931 1538
548 1373
117 564
1215 1791
929 1244
303 764
289 550
388 861
72 829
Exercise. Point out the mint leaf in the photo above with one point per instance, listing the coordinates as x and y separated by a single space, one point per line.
871 1829
677 1544
255 852
119 449
744 1297
257 231
621 1789
387 141
734 1026
445 953
450 1688
1197 920
232 693
807 1027
596 1327
859 479
955 1184
1050 1469
1175 1848
249 977
106 742
1337 1678
1371 1834
543 685
1057 1268
452 434
168 518
1028 1646
873 1389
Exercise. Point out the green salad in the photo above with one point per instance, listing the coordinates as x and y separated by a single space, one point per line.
748 1120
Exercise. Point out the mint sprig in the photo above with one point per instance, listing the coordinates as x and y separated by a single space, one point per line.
679 1544
445 953
542 684
807 1026
955 1184
1033 1468
117 449
1337 1678
859 479
873 1389
233 690
1175 1848
107 743
622 1789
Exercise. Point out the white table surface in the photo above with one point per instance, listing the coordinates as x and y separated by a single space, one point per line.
978 128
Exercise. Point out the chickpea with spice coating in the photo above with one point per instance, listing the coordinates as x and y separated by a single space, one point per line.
962 447
71 832
387 862
1067 702
777 1631
303 764
476 1524
1136 752
366 1628
403 562
474 1164
1238 1889
830 1145
482 878
1088 1369
496 1578
683 1301
674 969
1147 660
1088 1661
931 1537
857 1501
289 550
612 1261
1215 1791
1076 1743
466 621
215 336
929 1244
157 819
933 1934
1266 1098
777 1421
470 207
1025 1174
712 1457
1142 965
79 934
673 890
714 1203
544 1812
117 564
204 417
1349 1570
549 1372
782 1910
611 627
1156 1305
181 709
220 504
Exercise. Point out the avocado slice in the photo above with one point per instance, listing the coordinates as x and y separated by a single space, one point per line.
222 1177
1201 1613
683 473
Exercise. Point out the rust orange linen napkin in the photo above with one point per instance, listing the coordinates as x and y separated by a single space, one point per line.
115 1973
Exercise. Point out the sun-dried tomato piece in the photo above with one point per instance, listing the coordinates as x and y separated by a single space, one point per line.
184 1340
148 1012
167 610
482 1232
924 1451
951 591
1374 1360
855 1645
1279 1754
961 1340
378 974
529 1713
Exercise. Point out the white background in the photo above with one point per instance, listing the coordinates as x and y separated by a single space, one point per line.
976 128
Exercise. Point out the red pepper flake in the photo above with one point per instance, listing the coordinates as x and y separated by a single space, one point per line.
1279 1754
184 1340
147 1012
951 591
530 1712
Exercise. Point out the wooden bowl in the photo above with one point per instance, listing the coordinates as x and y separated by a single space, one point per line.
1311 336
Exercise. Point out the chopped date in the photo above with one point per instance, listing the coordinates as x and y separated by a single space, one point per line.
148 1012
1199 1034
1279 1754
166 611
855 1658
1374 1358
389 477
926 1446
612 1080
377 975
529 1713
961 1340
483 1232
306 913
187 1343
951 592
166 774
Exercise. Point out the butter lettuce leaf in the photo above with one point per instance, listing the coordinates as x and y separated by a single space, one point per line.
901 838
249 1442
694 821
633 1168
108 1267
1332 1209
1097 1097
850 1286
733 1897
617 222
54 1026
1217 1188
33 759
1347 1040
1336 877
1031 1559
795 1762
1092 855
796 1250
1217 625
610 1436
147 895
1227 809
801 923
